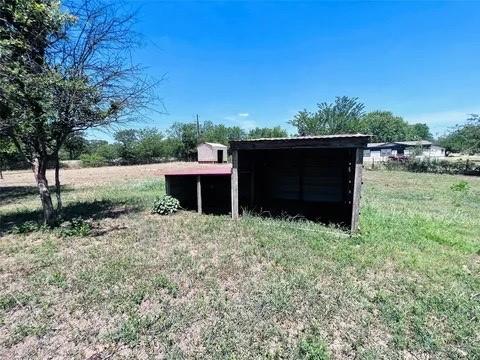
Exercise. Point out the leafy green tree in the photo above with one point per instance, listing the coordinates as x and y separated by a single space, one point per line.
7 148
465 138
64 69
172 148
150 145
384 126
107 151
75 144
342 116
28 31
127 140
259 133
186 137
220 133
419 132
235 133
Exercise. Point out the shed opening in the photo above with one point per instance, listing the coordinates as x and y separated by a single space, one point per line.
311 183
315 177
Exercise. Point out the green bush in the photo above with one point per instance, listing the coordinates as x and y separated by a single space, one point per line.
165 205
313 348
25 228
461 186
427 165
75 227
92 160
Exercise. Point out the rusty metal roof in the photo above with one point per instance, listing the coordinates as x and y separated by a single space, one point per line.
196 169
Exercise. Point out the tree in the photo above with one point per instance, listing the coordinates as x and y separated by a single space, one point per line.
28 29
150 145
75 144
464 138
220 133
342 116
126 139
419 132
274 132
7 148
65 72
384 126
186 137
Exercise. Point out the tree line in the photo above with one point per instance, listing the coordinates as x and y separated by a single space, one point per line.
464 138
140 146
179 142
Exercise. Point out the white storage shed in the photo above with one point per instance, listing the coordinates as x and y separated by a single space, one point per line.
212 153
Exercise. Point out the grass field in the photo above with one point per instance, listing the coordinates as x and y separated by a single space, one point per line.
128 284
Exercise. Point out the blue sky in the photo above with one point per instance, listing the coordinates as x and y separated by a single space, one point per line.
258 63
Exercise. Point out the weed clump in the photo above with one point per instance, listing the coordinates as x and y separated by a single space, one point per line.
75 227
461 186
313 348
26 227
165 205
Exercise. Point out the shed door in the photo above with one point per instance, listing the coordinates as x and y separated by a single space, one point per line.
220 156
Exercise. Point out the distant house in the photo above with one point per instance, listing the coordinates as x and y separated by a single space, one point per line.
212 153
420 148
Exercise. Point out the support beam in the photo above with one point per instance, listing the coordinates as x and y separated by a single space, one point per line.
199 194
357 187
235 184
252 187
167 185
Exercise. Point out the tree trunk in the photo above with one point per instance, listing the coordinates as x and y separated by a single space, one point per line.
57 184
40 170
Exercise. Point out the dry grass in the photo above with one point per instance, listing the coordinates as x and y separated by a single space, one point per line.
95 176
190 286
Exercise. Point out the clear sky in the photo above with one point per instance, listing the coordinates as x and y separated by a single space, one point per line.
258 63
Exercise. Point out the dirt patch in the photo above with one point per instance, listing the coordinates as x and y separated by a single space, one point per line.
98 176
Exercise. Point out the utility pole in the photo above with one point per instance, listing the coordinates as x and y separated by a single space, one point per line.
198 130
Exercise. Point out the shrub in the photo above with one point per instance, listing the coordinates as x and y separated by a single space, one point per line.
93 160
25 228
75 227
436 166
461 186
165 205
313 348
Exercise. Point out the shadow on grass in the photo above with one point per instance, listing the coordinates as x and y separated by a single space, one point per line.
11 194
95 210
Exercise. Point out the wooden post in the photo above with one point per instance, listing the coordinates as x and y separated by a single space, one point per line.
199 194
235 184
167 185
252 187
357 187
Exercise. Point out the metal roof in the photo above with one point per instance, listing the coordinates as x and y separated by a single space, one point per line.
336 136
221 169
414 142
305 142
394 143
213 144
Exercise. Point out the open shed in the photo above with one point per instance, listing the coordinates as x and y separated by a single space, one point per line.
212 153
318 177
203 188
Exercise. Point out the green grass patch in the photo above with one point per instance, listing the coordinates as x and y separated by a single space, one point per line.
192 286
